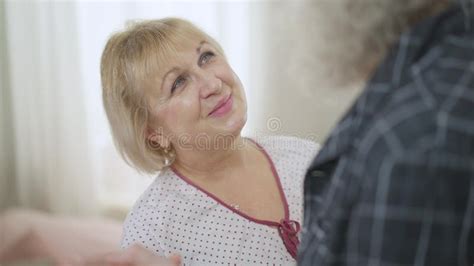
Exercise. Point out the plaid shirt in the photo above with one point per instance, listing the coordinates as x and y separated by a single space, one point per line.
394 183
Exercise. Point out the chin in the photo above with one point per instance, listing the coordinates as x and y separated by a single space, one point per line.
238 122
238 128
233 126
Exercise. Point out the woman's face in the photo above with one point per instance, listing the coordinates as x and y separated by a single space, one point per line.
200 98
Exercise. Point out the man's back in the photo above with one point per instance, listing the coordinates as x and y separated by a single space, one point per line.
394 183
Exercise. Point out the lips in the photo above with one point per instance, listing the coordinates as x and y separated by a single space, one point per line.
222 107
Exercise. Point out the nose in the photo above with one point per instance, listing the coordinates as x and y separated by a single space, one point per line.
209 84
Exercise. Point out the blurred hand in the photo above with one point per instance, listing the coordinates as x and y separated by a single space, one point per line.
134 256
27 235
66 241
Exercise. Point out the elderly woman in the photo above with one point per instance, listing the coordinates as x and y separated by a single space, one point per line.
177 108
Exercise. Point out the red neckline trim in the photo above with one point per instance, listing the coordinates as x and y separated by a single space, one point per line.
275 175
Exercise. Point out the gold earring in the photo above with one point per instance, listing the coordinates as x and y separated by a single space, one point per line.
166 150
168 156
153 142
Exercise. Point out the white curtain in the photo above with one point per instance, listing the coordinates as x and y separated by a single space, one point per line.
51 145
62 153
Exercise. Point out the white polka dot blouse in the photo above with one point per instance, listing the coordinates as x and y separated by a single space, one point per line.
175 216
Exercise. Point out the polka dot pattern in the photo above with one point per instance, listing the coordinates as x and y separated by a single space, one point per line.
172 216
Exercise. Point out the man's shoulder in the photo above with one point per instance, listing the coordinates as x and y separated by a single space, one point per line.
431 107
446 70
436 120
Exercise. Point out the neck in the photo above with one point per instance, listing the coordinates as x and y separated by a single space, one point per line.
208 162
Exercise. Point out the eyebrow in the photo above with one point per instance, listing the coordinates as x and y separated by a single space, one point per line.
198 51
164 77
171 70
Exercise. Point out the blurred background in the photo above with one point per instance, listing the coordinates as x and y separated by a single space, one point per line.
57 153
58 164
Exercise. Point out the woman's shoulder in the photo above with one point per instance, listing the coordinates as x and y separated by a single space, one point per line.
151 198
288 144
162 186
152 206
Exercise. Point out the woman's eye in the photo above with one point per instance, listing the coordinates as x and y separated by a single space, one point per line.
177 83
206 57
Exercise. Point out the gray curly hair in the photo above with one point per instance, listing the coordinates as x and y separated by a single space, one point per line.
355 34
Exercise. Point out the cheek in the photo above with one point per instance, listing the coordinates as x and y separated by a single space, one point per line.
186 104
237 84
232 77
179 112
226 73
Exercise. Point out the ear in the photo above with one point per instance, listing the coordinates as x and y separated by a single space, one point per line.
157 136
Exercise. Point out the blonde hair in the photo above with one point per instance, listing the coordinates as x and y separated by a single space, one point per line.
130 60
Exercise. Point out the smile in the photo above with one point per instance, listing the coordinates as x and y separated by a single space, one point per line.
223 107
